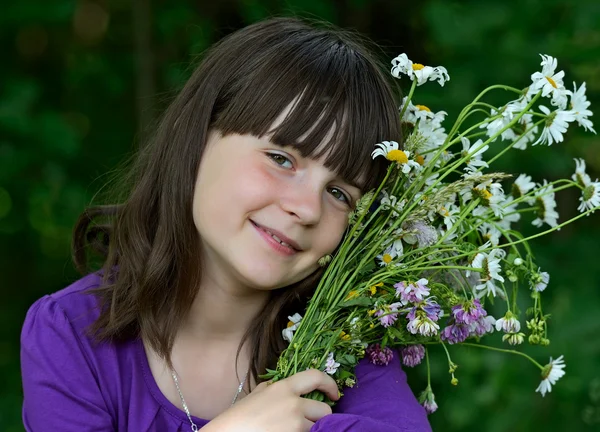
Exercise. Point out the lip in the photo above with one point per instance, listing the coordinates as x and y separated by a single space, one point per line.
262 229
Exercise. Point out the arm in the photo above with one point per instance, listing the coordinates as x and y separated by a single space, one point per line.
61 391
380 401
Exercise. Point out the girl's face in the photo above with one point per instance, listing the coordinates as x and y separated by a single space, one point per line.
264 213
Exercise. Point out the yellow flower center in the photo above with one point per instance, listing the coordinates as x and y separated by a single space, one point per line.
423 108
484 194
551 81
398 156
352 294
290 323
387 258
417 66
420 160
444 212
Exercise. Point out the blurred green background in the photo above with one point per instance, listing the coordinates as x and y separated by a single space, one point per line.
81 82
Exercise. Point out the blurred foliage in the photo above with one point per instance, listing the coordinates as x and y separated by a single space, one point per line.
82 81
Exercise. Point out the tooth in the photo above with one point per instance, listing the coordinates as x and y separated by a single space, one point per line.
278 239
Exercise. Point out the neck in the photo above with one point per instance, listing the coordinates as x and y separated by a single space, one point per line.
222 312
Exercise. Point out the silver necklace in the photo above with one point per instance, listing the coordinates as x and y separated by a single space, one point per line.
185 407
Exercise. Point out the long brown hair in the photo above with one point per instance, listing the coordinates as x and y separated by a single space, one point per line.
148 243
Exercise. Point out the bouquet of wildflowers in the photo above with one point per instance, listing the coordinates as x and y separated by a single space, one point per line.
435 244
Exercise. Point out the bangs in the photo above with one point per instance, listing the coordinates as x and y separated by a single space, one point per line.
338 103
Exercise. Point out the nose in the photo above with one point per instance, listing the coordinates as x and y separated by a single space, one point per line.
304 202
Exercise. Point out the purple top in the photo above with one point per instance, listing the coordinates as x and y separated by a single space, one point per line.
72 384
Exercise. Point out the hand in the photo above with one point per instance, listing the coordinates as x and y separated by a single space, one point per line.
278 407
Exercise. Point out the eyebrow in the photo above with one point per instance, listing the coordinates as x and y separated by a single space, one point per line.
352 183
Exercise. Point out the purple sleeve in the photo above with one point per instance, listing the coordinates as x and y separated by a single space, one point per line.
381 400
60 388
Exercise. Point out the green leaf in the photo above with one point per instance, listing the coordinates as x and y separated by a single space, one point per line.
360 301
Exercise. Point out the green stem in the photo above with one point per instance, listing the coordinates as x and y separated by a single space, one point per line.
410 93
505 351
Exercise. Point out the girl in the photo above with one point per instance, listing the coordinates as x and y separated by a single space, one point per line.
247 184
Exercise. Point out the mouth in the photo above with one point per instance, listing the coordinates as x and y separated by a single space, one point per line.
278 237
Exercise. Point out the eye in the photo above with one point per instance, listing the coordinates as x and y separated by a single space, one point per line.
280 160
340 195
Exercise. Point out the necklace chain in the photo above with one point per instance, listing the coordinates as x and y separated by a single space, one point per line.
185 407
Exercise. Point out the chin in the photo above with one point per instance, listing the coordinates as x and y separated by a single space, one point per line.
268 278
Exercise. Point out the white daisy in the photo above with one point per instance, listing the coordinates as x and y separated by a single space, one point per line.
539 280
450 238
579 105
580 175
410 165
387 256
435 135
549 82
490 233
402 64
415 113
293 323
551 373
590 197
546 206
507 114
556 125
473 154
391 202
523 132
492 196
390 150
435 138
522 186
397 247
490 263
450 212
497 200
510 214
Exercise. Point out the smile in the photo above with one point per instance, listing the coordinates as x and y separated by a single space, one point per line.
275 241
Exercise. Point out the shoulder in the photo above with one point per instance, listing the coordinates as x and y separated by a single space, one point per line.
56 328
63 319
67 376
74 303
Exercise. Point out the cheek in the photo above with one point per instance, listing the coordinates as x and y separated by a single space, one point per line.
331 231
233 190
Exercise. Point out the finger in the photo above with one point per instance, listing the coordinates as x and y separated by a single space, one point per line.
260 387
313 379
314 410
